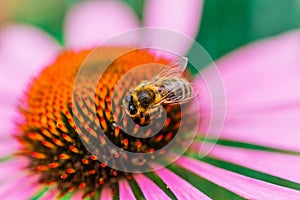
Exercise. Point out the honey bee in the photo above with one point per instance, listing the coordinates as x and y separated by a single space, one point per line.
167 87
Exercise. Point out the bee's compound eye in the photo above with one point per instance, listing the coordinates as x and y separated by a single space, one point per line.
128 98
144 98
132 109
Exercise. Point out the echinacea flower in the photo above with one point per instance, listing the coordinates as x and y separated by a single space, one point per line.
257 156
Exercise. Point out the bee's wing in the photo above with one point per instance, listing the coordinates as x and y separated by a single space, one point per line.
173 69
170 98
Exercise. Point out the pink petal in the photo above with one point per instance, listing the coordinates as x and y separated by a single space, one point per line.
106 193
93 22
263 92
26 192
8 146
24 51
16 185
176 15
13 166
212 106
125 190
149 189
7 115
181 188
77 195
277 164
244 186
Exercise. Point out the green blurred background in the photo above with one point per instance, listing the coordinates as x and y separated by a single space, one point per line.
225 25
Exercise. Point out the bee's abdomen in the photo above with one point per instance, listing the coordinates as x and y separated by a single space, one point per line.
176 89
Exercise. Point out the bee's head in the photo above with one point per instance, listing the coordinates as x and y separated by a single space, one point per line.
144 98
129 106
141 118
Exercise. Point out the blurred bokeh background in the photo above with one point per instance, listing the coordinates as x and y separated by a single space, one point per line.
225 25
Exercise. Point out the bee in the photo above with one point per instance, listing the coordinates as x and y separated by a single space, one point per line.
167 87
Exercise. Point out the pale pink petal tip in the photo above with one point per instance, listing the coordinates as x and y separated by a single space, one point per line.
262 87
90 23
26 48
24 52
180 16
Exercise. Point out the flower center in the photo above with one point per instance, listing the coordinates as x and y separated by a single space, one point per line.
54 134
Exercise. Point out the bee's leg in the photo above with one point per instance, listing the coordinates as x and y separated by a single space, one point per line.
156 111
159 112
124 113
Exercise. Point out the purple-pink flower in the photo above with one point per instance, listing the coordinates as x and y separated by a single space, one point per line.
257 156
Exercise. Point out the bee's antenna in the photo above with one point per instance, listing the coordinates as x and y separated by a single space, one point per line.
123 115
123 110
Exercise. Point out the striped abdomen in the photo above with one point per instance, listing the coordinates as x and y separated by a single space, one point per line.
175 90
